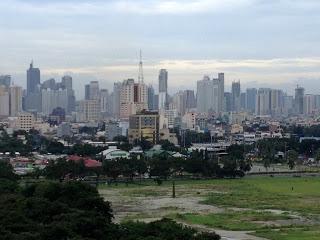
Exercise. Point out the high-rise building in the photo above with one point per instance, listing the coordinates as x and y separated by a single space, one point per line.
210 94
298 100
179 103
309 104
288 105
163 89
66 82
251 95
105 102
5 80
33 98
116 99
227 101
49 84
236 96
190 99
88 110
92 91
243 97
151 103
263 102
33 79
15 100
4 101
276 102
52 99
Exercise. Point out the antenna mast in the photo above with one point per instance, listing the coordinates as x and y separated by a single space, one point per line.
140 77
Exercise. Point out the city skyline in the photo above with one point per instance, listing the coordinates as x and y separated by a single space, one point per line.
270 43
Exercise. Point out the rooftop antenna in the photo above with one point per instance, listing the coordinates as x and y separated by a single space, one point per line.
140 77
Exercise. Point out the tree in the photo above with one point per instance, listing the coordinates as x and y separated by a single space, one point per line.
6 171
160 165
61 168
292 157
317 156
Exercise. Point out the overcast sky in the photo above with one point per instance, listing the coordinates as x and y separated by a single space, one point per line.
261 42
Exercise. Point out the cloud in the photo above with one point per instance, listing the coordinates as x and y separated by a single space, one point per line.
178 6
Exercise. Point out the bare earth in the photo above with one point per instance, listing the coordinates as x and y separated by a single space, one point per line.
128 205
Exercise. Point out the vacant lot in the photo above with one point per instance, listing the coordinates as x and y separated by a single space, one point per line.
282 208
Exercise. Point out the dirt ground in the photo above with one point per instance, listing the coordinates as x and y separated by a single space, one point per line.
148 204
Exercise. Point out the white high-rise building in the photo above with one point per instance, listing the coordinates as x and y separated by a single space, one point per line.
52 99
263 102
88 110
92 91
133 98
236 96
4 101
179 103
309 104
276 102
15 100
210 94
104 101
163 89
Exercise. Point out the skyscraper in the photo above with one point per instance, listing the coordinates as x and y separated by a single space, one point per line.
92 91
52 99
298 100
251 94
33 79
116 99
190 99
5 80
309 104
66 83
4 101
33 98
133 98
236 96
263 101
210 94
151 104
243 101
276 102
227 101
163 89
105 107
15 100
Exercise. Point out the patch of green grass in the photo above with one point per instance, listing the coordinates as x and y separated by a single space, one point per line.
290 234
289 194
233 220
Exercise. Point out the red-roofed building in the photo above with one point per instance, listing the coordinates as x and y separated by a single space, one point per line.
89 163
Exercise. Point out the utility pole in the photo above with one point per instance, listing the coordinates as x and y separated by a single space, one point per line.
173 189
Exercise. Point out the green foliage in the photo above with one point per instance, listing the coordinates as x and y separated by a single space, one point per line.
60 168
55 211
292 157
165 229
73 210
85 150
168 146
6 171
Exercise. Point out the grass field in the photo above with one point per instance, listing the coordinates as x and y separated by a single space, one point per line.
234 220
281 208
